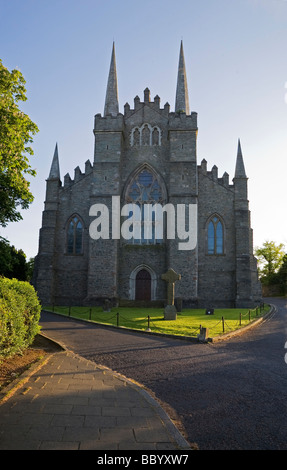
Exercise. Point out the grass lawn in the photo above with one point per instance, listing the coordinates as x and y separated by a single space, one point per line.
187 324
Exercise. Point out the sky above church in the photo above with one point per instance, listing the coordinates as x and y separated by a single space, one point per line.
236 65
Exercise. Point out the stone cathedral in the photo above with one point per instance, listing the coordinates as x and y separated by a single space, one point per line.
143 157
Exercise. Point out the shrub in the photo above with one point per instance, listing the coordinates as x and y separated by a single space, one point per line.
19 316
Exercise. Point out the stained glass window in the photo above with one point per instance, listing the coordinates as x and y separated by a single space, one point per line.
75 236
143 190
215 237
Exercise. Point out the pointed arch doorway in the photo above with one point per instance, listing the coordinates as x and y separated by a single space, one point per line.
143 281
143 285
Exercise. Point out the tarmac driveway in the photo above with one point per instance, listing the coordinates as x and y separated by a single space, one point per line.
226 395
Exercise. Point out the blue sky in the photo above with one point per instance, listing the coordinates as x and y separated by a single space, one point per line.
236 61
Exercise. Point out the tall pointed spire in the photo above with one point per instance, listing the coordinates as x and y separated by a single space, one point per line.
55 168
239 169
112 102
181 100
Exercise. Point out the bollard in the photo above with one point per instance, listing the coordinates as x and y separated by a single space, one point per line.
223 324
90 314
203 335
118 319
148 323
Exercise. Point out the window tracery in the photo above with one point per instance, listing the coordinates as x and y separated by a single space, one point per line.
215 236
74 236
144 189
146 135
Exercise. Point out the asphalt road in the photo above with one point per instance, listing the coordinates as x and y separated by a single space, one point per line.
227 396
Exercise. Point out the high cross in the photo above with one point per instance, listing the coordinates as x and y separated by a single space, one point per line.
170 277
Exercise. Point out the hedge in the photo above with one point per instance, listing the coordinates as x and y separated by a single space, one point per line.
19 316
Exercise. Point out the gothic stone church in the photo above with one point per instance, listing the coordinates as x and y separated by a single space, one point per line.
147 155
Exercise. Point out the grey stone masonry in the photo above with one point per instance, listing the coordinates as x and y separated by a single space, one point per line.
147 155
112 102
182 99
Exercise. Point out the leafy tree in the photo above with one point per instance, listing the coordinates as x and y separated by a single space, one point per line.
5 258
13 262
16 131
30 269
270 257
282 275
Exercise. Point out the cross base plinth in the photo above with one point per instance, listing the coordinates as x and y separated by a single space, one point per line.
170 312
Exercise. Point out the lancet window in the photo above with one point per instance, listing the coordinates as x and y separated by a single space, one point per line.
146 135
74 236
215 236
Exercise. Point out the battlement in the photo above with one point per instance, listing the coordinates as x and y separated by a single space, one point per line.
155 105
78 175
213 174
108 123
181 120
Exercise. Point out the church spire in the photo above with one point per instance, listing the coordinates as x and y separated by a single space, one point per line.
181 100
55 168
239 169
112 103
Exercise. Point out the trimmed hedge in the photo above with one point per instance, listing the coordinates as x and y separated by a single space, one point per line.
19 316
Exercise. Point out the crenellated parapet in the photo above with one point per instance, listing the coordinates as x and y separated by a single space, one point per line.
78 175
154 105
213 175
108 123
183 121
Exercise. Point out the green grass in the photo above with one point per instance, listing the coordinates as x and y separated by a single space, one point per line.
187 324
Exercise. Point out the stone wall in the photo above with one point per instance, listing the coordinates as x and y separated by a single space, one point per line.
216 272
152 137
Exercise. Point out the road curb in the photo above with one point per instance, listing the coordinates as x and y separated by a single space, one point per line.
191 339
171 427
8 391
23 378
245 328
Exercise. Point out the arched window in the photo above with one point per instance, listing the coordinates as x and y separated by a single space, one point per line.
144 190
145 135
136 137
75 236
155 136
215 236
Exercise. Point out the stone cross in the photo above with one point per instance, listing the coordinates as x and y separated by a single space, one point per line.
170 277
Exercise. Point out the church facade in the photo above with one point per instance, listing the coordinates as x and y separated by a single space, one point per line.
96 242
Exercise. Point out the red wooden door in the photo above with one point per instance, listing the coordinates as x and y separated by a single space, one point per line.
143 285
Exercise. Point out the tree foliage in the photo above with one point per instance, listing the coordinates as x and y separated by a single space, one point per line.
13 263
16 131
19 316
281 276
270 257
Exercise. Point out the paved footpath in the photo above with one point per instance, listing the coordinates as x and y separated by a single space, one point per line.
69 403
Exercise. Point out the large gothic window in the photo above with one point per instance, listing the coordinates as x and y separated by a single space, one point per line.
143 190
75 236
215 236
